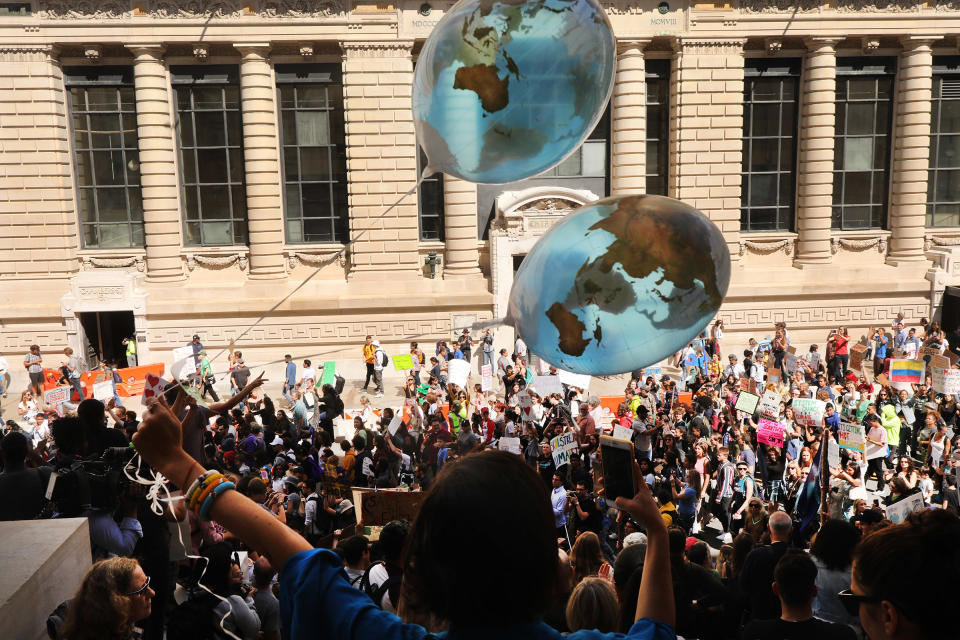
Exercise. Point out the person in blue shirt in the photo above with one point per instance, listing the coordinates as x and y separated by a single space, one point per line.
289 377
880 341
443 576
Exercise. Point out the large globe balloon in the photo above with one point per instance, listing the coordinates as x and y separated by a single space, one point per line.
620 284
506 89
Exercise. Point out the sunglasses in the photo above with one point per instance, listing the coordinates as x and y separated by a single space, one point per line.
141 590
852 601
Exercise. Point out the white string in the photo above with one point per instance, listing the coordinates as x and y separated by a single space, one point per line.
159 484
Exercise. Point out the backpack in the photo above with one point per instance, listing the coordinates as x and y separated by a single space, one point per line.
338 383
193 619
376 593
384 358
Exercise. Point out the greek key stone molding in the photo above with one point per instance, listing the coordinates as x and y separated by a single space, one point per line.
392 49
937 241
780 6
767 247
191 9
713 47
216 262
828 314
294 258
863 244
87 262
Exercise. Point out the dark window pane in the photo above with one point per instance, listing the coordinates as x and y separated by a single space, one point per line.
240 231
212 164
314 164
316 199
763 219
108 167
311 96
207 97
238 197
292 201
136 231
231 97
210 128
234 129
291 162
861 88
763 190
185 126
105 131
135 198
950 116
317 230
948 151
857 217
214 202
236 165
287 96
288 128
860 118
766 119
130 130
948 186
114 235
88 206
312 128
763 155
102 99
112 205
193 233
856 188
191 203
188 166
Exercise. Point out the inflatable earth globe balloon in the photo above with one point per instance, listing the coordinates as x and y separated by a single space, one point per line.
620 284
505 89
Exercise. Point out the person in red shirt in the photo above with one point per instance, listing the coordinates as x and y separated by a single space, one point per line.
487 426
841 344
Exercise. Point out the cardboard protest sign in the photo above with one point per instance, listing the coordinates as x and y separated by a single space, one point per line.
395 424
378 507
942 362
747 402
457 372
791 350
851 436
790 362
773 374
946 380
403 362
486 377
53 397
510 444
622 433
882 380
103 391
561 446
770 433
769 404
685 398
927 351
545 385
899 510
808 411
857 352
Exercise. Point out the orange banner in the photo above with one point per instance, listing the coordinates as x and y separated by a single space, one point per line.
134 379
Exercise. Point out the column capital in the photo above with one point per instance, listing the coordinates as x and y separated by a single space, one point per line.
50 52
255 49
630 45
820 43
912 43
153 50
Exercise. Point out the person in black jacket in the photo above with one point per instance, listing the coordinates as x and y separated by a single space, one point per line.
699 596
756 577
329 407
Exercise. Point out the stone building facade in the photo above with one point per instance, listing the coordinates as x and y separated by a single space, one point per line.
170 168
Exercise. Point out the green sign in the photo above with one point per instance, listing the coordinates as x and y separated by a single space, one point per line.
329 371
403 362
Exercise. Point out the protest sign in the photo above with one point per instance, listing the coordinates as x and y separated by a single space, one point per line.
946 380
791 349
545 385
872 450
103 391
652 371
814 360
773 374
685 398
152 387
910 350
403 362
510 444
747 402
927 351
770 433
851 436
55 396
808 411
790 362
622 433
329 375
942 362
486 377
857 352
952 357
769 404
378 507
526 405
395 424
561 446
899 510
457 372
833 453
570 379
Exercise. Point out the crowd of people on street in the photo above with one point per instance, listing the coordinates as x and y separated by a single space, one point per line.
733 532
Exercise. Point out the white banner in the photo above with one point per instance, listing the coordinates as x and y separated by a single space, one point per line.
457 372
769 404
899 510
545 385
946 380
561 446
578 380
486 377
808 411
103 391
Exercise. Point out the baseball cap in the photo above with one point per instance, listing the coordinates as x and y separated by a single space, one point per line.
691 541
276 440
196 337
375 343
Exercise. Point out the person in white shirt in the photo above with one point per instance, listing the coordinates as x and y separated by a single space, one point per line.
309 373
520 348
734 369
558 498
379 355
4 377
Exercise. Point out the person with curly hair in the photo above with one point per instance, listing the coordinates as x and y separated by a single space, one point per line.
113 596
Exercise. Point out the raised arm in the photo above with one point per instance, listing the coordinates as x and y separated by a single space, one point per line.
220 407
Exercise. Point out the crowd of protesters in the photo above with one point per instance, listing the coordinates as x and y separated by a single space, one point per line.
727 537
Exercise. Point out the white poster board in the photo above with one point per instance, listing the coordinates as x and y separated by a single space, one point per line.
103 391
561 446
579 380
808 411
510 444
457 372
545 385
898 511
769 404
486 377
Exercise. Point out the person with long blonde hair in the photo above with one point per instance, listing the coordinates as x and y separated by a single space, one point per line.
114 595
586 558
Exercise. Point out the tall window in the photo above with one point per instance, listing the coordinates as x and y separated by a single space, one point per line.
314 153
430 202
590 159
658 125
104 120
943 188
211 155
769 144
861 155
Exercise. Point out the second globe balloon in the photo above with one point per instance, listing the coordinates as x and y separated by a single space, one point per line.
506 89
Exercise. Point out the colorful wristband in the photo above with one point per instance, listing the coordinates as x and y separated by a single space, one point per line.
221 488
194 500
198 483
206 492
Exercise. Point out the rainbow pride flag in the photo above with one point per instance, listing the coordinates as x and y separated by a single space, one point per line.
906 371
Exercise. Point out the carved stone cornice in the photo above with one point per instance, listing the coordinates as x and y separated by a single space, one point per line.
935 241
380 49
877 6
633 46
779 6
316 258
858 244
217 262
83 10
767 247
25 52
88 262
189 9
712 46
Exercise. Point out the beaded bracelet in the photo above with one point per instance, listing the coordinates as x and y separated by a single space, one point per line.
221 488
196 485
194 497
207 490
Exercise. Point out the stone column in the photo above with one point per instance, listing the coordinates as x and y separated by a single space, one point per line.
261 161
158 169
911 150
381 159
815 184
461 257
628 121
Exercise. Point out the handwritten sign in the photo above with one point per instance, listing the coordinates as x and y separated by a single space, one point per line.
403 362
622 433
395 424
769 404
561 446
946 380
526 405
486 377
851 436
773 374
927 351
58 395
899 510
939 361
770 433
103 391
857 352
377 508
545 385
747 402
457 372
790 361
509 444
808 411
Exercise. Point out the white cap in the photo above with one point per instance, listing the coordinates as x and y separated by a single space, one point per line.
375 343
634 538
276 440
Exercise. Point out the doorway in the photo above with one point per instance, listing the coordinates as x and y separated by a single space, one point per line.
103 334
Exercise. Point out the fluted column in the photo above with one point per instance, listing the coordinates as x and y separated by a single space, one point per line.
261 161
158 172
461 257
628 121
911 150
815 185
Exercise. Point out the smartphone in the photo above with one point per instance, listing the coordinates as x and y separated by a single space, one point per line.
618 478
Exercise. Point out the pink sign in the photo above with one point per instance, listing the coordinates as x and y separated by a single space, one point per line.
770 433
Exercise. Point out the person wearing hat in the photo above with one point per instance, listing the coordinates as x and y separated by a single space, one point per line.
205 376
379 362
131 350
463 343
197 348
